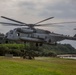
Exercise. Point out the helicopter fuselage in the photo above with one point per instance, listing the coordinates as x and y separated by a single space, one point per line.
36 35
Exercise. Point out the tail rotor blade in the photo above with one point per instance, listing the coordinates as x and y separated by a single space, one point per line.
74 28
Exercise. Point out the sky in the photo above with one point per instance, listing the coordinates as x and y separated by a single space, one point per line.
32 11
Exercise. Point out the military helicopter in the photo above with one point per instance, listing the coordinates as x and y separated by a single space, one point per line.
32 34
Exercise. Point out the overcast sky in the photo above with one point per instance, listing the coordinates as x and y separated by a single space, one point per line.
32 11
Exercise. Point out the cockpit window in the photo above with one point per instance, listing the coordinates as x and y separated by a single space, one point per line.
47 32
11 31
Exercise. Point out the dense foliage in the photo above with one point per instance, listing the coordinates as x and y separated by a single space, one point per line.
60 49
26 50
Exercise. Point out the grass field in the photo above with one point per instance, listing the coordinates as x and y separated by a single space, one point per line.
39 66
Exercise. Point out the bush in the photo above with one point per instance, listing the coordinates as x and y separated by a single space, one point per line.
3 50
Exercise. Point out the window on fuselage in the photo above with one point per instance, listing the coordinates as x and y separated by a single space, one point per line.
18 34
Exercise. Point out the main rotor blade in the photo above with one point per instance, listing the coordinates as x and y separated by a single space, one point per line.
12 24
44 20
51 25
56 23
12 20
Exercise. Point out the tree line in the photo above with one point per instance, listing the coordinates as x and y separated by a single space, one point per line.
30 51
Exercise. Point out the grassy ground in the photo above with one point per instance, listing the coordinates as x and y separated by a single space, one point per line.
39 66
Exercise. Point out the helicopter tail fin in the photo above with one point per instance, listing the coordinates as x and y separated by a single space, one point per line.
75 35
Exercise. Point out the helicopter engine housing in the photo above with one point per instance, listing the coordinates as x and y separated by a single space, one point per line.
26 31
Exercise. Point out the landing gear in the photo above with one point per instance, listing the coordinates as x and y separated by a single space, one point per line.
55 43
38 44
6 41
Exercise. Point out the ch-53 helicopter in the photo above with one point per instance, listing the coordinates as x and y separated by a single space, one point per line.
31 34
